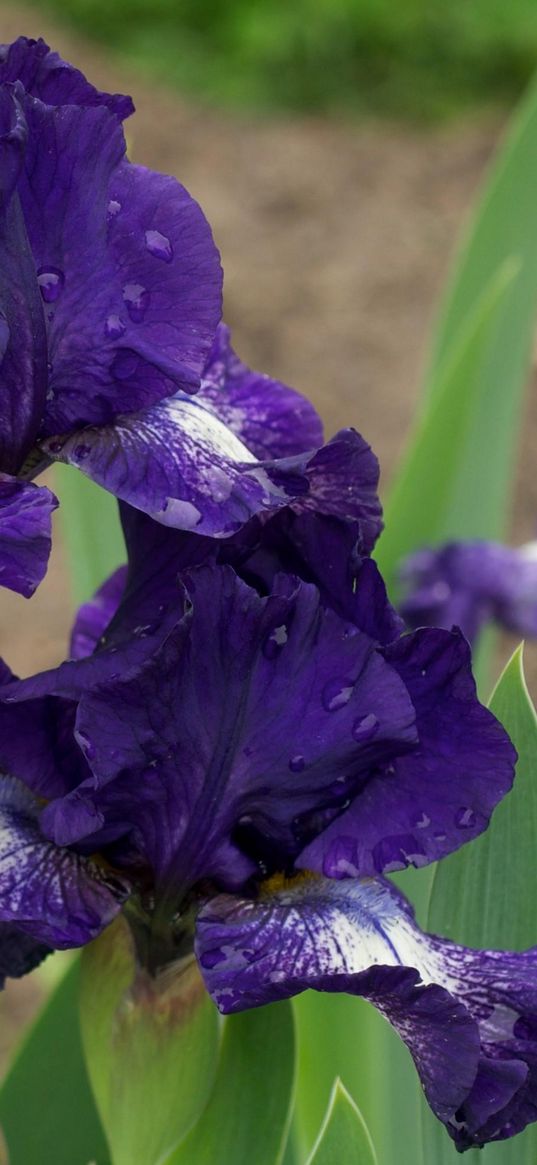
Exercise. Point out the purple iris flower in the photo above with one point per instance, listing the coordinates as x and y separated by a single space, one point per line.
110 286
470 584
238 764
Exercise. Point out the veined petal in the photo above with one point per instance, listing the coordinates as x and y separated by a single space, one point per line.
422 806
25 533
181 465
257 715
467 1017
271 419
53 895
45 75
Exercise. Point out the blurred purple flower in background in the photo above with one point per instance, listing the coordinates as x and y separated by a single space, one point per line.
470 584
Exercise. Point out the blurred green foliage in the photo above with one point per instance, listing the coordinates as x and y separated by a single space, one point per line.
423 59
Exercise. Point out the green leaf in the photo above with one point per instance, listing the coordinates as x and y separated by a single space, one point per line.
247 1117
344 1138
151 1047
47 1111
91 530
422 507
484 895
501 236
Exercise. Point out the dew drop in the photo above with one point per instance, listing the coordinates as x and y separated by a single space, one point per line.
336 693
125 363
422 821
113 208
51 281
81 451
210 959
159 246
55 446
465 818
274 642
136 299
114 327
365 727
297 763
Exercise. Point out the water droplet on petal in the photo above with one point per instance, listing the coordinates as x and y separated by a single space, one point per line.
81 451
113 208
366 727
55 446
136 299
210 959
422 821
274 642
114 327
336 693
465 818
179 513
159 246
51 281
297 763
125 364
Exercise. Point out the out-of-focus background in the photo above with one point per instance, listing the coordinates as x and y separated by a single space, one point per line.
336 147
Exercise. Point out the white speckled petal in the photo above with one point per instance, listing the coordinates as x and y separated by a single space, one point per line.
469 1018
50 893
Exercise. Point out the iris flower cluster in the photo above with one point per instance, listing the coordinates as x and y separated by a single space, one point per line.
244 742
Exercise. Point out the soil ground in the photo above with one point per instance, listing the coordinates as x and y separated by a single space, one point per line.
335 240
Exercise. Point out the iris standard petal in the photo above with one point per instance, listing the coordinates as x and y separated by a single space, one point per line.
126 323
422 806
23 348
468 1017
44 74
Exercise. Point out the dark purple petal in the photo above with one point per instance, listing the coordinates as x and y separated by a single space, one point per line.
25 533
93 617
51 894
271 419
19 953
44 74
424 805
343 477
37 744
327 552
468 1017
468 584
256 713
125 325
23 349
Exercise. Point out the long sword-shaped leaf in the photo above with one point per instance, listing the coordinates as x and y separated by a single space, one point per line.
247 1117
422 506
47 1110
351 1041
484 895
344 1138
